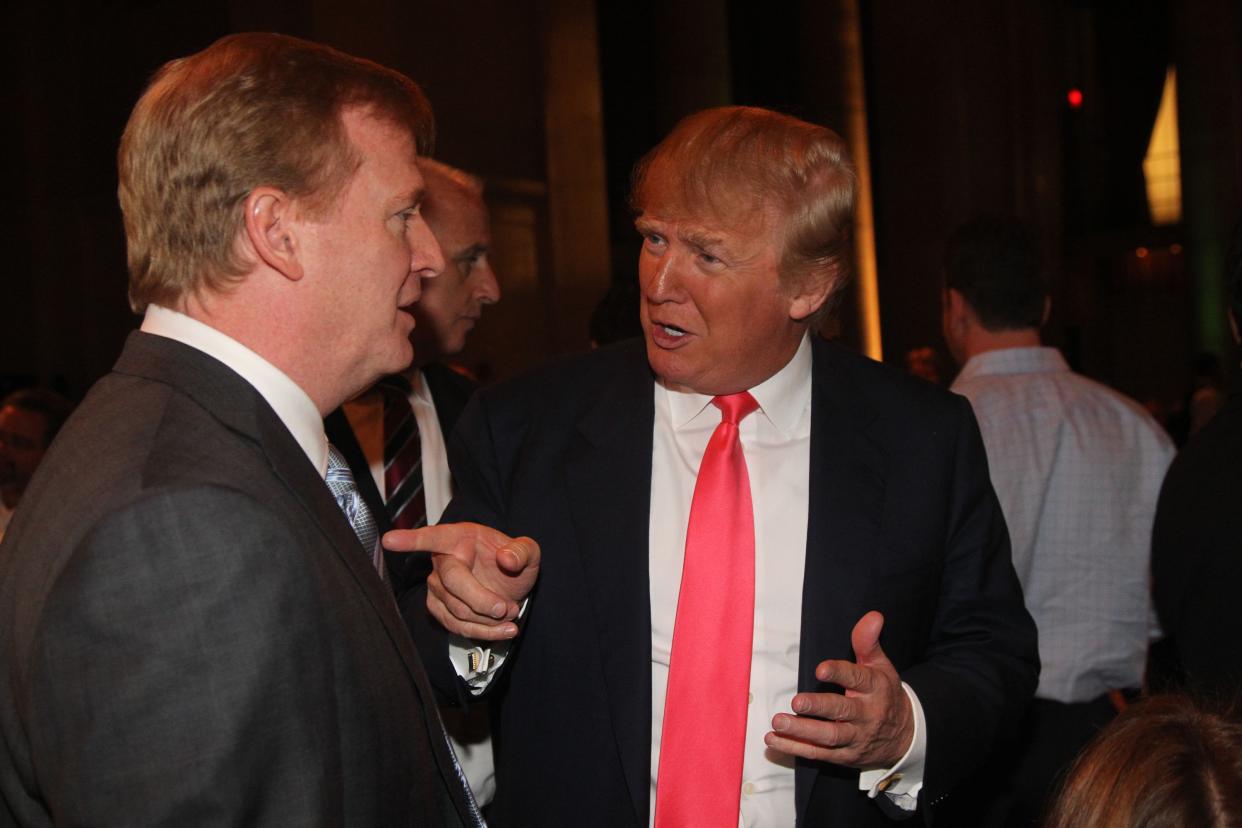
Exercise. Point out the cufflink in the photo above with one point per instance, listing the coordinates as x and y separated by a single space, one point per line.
888 783
480 660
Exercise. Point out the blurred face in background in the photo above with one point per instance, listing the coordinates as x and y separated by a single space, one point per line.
23 437
452 303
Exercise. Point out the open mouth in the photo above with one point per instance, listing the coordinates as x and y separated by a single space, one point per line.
672 330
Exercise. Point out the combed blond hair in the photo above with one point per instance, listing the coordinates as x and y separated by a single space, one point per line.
251 110
736 163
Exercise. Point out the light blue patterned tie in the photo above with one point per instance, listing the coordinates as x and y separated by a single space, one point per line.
341 483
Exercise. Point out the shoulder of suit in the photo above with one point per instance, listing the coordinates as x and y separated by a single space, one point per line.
576 375
883 386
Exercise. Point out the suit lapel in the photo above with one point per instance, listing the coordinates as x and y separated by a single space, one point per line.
450 392
608 484
845 503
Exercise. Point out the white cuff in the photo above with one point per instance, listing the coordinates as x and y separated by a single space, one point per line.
477 662
902 782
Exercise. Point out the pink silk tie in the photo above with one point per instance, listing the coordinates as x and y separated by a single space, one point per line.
702 742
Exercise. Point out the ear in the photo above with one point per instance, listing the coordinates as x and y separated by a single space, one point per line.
811 294
957 311
271 230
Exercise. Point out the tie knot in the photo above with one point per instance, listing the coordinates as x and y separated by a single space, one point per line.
734 407
336 460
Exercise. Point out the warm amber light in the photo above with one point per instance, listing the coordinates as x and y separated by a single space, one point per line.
1162 167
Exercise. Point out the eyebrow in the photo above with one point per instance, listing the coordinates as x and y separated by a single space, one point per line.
470 252
701 238
414 198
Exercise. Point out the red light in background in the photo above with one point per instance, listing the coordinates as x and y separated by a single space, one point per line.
1074 97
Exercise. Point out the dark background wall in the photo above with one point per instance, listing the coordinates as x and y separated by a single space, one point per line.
552 101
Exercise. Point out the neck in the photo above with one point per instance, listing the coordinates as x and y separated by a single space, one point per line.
981 340
270 330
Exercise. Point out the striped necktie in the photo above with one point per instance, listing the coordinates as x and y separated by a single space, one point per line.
403 457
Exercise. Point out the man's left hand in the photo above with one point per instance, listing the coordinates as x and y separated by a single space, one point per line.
870 726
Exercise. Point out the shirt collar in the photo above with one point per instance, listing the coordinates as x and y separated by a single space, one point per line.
1036 360
782 397
287 399
418 385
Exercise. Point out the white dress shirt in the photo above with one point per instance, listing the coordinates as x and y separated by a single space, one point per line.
1077 468
776 442
292 405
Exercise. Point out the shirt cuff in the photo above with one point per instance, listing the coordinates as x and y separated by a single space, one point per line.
477 662
902 782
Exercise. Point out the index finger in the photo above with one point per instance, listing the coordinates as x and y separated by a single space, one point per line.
438 538
847 674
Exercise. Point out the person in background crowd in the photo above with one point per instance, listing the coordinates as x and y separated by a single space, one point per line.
773 582
1162 762
1077 467
29 419
922 362
1196 550
394 434
194 625
615 318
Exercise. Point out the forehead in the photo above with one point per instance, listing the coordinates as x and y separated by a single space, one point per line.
751 231
385 150
454 209
14 420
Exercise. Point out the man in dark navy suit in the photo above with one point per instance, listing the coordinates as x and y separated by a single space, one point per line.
885 642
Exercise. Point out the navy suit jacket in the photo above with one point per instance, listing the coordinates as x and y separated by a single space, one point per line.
902 519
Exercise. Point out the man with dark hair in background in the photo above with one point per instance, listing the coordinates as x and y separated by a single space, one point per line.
394 434
1197 541
1077 467
29 419
773 584
194 623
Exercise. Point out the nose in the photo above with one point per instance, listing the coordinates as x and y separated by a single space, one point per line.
487 288
661 277
426 257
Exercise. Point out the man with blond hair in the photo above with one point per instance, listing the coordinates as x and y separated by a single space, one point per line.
194 621
771 583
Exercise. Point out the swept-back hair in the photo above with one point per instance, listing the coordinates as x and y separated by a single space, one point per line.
737 163
250 110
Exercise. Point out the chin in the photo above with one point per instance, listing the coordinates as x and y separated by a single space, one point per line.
400 361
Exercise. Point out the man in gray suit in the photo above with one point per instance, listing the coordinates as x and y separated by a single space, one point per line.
193 626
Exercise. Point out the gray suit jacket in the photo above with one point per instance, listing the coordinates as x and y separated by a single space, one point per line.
191 634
